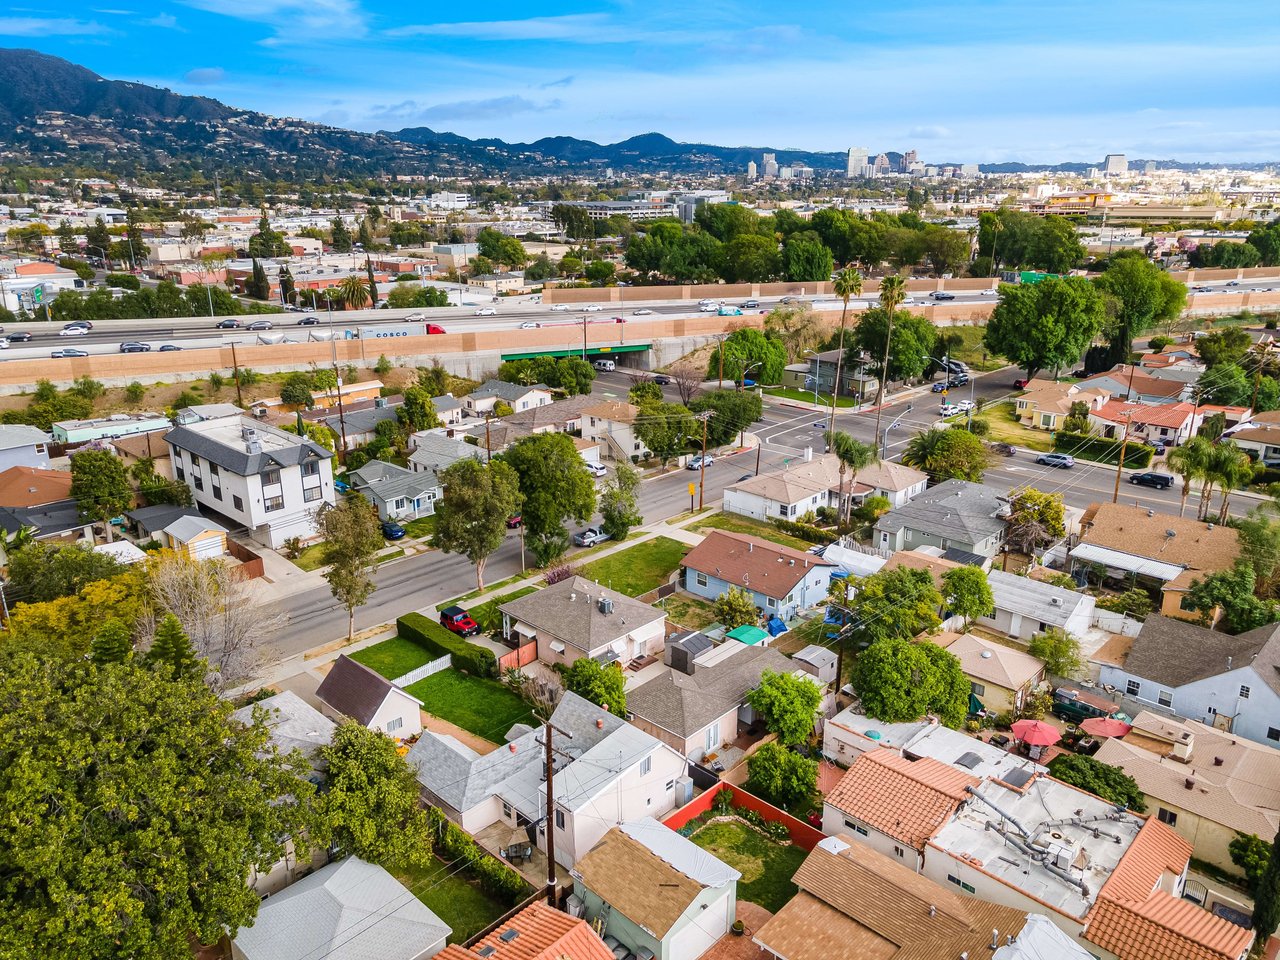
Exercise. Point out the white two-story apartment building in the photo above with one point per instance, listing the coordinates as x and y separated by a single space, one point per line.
257 476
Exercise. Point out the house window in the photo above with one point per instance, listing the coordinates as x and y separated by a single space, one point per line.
966 887
1168 816
1165 698
1273 733
311 468
199 481
182 475
646 765
1132 687
857 828
1211 711
908 534
898 851
213 469
1185 604
700 579
506 809
237 502
977 689
559 819
1244 692
217 493
395 724
273 503
671 785
270 477
771 603
312 493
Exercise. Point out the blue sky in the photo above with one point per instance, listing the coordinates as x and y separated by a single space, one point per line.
986 80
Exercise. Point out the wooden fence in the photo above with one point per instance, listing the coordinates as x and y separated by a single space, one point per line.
521 656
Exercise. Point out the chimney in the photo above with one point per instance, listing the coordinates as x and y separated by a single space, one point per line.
933 911
599 723
995 938
1182 748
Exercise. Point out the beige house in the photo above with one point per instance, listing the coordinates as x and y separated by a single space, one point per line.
1047 403
195 537
611 423
999 676
1206 783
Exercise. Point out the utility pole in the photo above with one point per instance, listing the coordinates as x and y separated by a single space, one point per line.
235 366
488 447
550 821
702 464
1124 442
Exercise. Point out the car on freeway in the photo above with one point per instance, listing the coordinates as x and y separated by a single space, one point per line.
948 409
1020 383
135 346
74 332
514 521
486 312
988 292
941 295
309 308
662 380
708 308
704 301
530 325
1233 283
67 352
939 386
593 308
456 620
560 307
309 322
700 461
729 312
589 537
169 348
787 300
259 325
4 343
392 530
966 405
907 300
231 323
821 425
20 336
78 323
1063 461
597 469
642 312
1161 481
750 304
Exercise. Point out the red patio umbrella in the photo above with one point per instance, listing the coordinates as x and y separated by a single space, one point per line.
1037 733
1105 727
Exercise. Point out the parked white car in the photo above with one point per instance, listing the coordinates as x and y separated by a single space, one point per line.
966 405
597 469
948 409
530 325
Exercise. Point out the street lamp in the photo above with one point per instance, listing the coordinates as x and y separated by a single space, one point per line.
742 378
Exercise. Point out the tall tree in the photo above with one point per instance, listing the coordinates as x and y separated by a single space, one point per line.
418 412
947 455
788 704
899 681
1047 325
967 594
352 537
471 517
41 571
1144 295
353 292
370 805
1190 462
100 487
340 236
172 648
665 428
373 283
853 455
136 794
848 284
601 684
555 486
619 511
111 644
806 261
1266 898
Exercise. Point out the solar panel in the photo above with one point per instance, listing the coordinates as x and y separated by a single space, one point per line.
1017 777
508 935
969 760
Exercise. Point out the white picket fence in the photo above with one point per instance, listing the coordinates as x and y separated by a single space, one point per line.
424 671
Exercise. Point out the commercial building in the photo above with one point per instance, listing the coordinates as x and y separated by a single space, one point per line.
107 428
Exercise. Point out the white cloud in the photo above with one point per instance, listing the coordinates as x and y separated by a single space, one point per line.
587 28
48 27
411 112
165 21
929 132
205 75
294 19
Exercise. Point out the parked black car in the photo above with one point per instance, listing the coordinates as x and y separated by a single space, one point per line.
1161 481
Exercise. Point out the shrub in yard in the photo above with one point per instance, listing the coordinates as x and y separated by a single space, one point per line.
777 831
495 878
559 573
723 802
467 657
804 531
781 776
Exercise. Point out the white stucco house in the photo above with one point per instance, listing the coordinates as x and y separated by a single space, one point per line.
355 691
1025 607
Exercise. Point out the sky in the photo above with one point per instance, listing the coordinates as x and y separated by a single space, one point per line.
1038 81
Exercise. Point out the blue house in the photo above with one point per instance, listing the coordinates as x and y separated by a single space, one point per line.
781 581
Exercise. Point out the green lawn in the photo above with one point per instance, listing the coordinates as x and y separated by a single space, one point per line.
487 615
1006 428
689 612
483 706
807 396
804 634
971 350
456 900
311 558
421 526
766 867
393 658
390 555
638 569
735 523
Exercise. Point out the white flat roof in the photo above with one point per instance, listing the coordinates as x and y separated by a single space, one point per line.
1126 561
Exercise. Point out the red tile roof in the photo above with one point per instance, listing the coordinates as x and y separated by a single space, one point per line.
1165 415
543 933
32 487
909 800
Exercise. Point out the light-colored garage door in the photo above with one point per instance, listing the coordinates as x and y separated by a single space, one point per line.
207 548
708 926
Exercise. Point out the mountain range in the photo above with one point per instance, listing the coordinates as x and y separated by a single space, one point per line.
54 113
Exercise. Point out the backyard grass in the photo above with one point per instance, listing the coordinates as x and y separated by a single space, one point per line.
421 526
766 867
757 528
807 396
310 558
971 350
393 658
638 569
487 615
689 612
483 706
1005 428
456 900
803 634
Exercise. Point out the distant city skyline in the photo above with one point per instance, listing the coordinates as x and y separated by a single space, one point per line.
992 81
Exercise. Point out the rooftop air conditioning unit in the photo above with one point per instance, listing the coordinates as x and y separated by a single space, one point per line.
605 605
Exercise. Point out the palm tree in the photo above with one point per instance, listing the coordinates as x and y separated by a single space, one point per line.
1234 469
1189 462
853 456
893 289
848 283
353 291
921 451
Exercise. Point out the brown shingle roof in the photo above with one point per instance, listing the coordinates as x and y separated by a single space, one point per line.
1131 530
909 800
1175 652
746 561
914 560
354 690
140 445
614 410
542 933
858 903
633 880
30 487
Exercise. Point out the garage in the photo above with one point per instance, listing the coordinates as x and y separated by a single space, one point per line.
198 538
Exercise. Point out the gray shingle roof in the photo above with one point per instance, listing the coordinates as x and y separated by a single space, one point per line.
350 910
955 509
294 724
509 392
570 611
237 459
361 421
1176 652
48 518
685 704
354 690
387 481
21 435
436 451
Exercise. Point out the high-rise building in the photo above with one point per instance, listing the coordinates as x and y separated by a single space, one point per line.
751 170
1116 165
908 159
882 163
1149 167
770 165
857 161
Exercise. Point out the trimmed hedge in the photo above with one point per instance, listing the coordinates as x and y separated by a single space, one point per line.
467 657
495 878
804 531
1101 450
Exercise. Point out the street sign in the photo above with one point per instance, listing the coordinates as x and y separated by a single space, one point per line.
37 294
693 488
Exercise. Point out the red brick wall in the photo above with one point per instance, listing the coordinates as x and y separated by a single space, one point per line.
802 835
